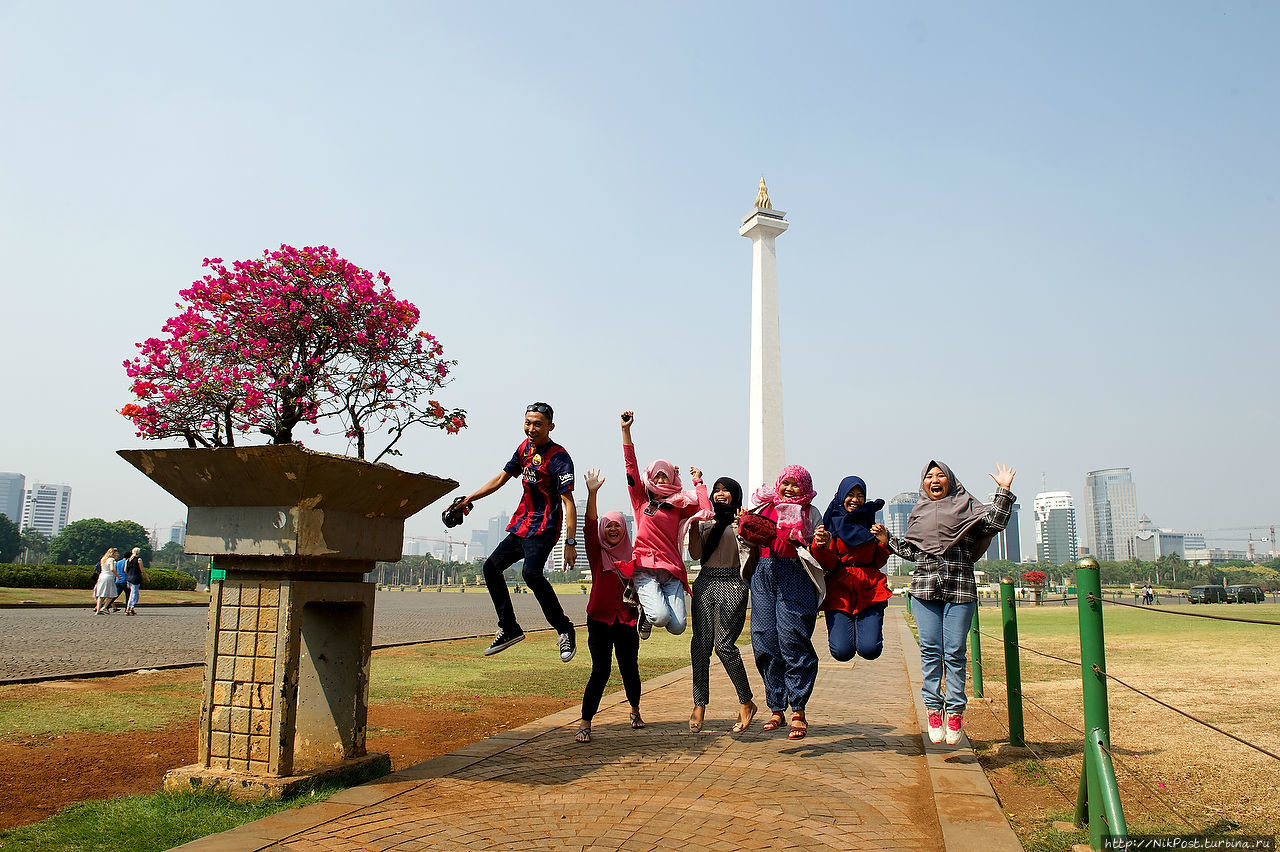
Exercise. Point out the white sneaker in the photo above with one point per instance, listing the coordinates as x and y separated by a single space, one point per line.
935 726
954 724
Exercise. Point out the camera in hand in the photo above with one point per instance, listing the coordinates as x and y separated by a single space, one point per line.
457 510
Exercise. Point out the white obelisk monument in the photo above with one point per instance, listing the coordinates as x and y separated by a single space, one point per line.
765 453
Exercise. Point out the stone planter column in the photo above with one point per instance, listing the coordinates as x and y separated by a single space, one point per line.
287 651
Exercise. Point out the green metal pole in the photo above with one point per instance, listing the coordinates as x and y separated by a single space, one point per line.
975 651
1093 667
1012 667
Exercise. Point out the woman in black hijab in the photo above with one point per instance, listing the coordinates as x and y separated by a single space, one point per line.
719 603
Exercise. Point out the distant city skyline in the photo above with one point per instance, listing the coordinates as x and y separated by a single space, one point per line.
1013 186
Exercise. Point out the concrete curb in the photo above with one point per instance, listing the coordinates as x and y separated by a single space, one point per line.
969 811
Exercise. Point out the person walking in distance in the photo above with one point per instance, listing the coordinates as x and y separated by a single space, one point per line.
546 474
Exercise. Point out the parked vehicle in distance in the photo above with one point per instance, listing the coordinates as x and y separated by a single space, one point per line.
1246 594
1207 594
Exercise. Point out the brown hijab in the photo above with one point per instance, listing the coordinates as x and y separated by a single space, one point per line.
935 526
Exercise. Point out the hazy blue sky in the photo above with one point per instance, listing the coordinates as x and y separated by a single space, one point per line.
1047 236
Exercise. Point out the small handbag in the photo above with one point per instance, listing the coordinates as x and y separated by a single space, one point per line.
757 530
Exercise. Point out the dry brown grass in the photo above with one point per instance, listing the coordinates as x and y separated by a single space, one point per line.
1170 768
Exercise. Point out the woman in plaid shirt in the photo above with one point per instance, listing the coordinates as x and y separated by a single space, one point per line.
947 531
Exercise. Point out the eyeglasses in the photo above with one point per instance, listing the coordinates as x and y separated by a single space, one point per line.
540 408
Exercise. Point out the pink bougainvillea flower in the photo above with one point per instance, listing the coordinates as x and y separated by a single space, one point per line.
289 338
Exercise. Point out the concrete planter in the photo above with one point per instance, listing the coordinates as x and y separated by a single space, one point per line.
286 684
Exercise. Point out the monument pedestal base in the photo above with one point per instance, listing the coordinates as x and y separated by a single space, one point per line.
244 785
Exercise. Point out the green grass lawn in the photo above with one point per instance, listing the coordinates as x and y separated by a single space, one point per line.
9 595
149 823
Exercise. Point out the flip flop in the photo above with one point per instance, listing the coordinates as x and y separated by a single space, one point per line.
636 721
799 728
583 735
695 727
741 725
774 723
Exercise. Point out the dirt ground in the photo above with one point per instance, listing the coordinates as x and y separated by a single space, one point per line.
41 775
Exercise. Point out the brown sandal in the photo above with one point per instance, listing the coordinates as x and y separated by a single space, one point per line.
742 724
799 727
774 723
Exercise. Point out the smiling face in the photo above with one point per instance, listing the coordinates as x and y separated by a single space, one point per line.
855 499
660 478
613 533
936 484
789 489
722 495
537 428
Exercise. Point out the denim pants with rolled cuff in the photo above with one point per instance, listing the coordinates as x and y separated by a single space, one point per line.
859 635
663 601
784 611
943 628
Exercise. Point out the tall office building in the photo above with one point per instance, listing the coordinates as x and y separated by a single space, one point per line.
894 516
13 487
1007 544
178 532
1055 518
479 547
1151 542
556 562
46 507
1110 513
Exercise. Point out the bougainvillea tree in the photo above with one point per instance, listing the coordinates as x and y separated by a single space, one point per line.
294 337
1034 578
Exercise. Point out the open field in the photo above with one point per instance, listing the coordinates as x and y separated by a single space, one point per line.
1175 775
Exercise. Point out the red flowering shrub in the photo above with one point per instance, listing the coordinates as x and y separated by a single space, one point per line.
293 337
1034 578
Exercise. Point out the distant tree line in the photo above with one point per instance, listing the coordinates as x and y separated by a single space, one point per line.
1171 571
80 543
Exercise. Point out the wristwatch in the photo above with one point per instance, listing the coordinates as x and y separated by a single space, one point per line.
570 542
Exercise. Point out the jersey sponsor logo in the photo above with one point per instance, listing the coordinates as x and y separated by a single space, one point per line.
566 478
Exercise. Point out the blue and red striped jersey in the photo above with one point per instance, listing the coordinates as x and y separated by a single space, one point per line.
546 472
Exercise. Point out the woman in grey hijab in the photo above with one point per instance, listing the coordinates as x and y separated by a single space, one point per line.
946 532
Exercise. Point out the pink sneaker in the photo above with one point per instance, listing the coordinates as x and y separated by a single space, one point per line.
935 726
954 722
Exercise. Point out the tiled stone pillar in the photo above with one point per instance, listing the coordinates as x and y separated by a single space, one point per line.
286 685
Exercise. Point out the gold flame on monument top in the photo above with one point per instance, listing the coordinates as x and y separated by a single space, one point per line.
762 197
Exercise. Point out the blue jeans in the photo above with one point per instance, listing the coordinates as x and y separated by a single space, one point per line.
943 627
861 635
132 600
663 601
784 611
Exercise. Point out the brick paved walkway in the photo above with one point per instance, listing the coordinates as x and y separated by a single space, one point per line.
862 779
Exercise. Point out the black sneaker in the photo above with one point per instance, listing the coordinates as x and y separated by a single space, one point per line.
643 625
502 640
568 646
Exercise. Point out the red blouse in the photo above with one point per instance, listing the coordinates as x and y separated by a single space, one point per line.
854 578
605 603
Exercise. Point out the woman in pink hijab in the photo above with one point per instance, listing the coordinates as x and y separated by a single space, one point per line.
786 587
663 514
611 623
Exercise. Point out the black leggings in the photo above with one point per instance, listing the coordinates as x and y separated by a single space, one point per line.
604 640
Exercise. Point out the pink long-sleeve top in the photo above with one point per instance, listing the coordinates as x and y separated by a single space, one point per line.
605 603
658 524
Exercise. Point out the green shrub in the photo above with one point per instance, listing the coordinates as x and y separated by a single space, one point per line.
47 576
167 578
82 577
